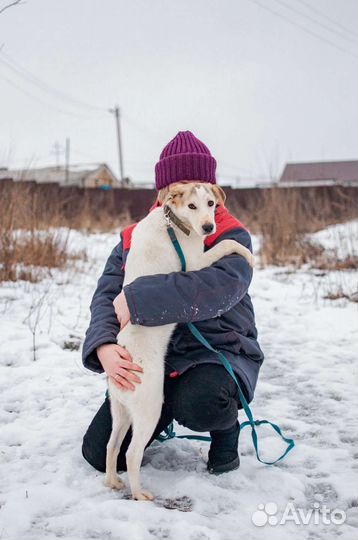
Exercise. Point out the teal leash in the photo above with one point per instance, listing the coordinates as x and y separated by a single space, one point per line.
178 249
170 433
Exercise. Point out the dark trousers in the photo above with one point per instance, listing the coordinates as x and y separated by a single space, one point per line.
204 398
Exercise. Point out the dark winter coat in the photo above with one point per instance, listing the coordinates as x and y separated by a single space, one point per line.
216 299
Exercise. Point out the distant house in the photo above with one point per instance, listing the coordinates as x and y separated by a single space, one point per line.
89 176
320 173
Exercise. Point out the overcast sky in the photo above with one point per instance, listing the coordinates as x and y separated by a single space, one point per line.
261 82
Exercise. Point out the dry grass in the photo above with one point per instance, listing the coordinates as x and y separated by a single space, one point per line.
32 224
30 214
31 252
340 285
31 256
283 223
280 224
340 294
100 222
330 263
337 263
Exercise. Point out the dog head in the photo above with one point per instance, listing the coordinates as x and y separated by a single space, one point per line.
194 204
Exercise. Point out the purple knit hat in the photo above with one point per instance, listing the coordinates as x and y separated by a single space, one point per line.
184 158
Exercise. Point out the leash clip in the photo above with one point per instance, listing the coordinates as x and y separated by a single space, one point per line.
167 217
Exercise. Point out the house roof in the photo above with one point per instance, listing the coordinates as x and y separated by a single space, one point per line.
77 173
324 171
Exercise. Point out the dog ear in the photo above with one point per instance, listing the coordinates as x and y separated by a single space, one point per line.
163 195
175 194
169 193
219 194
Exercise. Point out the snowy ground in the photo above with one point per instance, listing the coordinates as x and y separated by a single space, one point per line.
307 385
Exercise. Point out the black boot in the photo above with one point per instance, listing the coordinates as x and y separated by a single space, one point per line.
223 453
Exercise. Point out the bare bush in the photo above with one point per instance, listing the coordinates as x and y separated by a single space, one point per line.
282 224
337 262
285 219
328 262
338 293
281 216
33 221
28 247
31 256
36 313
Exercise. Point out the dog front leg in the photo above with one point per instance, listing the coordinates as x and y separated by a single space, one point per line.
226 247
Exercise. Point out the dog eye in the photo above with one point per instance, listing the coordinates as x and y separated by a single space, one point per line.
192 206
210 203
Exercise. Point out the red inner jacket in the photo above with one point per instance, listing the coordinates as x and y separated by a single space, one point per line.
224 222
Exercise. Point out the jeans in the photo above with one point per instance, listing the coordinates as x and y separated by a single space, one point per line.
204 398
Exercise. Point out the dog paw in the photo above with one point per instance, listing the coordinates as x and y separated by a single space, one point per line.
143 496
114 483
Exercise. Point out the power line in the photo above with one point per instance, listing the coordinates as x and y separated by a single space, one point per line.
36 98
29 76
315 10
317 36
16 2
141 127
315 21
33 79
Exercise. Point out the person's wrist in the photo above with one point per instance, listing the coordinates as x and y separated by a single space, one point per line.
100 350
103 346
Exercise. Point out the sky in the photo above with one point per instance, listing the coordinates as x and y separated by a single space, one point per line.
260 82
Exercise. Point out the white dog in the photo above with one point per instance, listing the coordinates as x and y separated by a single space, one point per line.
191 205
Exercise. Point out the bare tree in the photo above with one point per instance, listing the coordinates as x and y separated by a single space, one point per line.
37 311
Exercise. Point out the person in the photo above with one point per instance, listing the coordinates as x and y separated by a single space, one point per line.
198 392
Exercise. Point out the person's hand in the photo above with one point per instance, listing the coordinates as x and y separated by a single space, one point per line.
121 309
118 364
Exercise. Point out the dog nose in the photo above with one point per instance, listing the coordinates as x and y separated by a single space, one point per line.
208 228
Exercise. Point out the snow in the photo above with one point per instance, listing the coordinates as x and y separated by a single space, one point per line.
341 238
307 386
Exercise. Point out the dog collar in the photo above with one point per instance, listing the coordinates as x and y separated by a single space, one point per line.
172 218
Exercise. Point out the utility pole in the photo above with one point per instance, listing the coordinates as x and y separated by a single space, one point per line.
117 115
67 166
57 150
